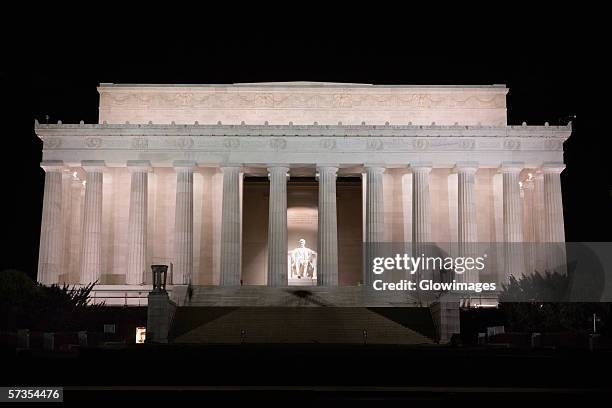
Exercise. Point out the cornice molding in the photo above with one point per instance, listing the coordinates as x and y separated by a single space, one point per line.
196 130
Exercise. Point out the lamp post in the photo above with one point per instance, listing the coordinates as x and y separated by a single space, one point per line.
160 275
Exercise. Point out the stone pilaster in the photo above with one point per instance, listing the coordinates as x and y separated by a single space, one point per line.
91 249
183 223
539 229
137 222
230 227
51 230
512 218
277 227
466 215
327 257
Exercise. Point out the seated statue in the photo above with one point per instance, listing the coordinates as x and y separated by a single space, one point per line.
302 262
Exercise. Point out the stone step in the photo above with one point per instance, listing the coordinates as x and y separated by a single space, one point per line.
343 296
299 325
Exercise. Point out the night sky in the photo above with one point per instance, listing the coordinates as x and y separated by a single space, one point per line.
552 75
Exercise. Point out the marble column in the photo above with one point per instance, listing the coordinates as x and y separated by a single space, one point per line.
529 224
137 222
512 219
91 249
327 257
183 223
539 227
375 221
421 213
277 227
421 203
50 253
554 229
230 227
466 215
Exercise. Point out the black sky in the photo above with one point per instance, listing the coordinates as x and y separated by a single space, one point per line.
552 74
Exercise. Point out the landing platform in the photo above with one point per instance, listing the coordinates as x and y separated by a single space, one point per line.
264 296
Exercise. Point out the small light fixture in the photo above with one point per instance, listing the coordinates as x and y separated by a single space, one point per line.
141 335
84 182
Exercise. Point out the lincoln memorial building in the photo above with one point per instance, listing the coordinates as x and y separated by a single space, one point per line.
282 184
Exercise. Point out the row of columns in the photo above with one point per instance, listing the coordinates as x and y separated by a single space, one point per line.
548 181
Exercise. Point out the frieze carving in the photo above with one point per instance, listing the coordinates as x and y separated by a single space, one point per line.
328 144
140 143
278 144
268 100
420 144
467 144
512 144
52 143
184 143
374 144
231 143
553 145
93 142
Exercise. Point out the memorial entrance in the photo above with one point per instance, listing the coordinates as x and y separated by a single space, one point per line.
302 230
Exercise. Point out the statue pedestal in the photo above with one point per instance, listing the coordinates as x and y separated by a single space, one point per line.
303 282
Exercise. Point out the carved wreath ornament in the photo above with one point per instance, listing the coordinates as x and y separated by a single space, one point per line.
184 143
328 144
140 143
93 142
52 143
231 143
278 144
374 144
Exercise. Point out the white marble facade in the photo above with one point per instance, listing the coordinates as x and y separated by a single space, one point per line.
159 178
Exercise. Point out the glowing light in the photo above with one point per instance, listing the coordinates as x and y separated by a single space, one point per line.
141 335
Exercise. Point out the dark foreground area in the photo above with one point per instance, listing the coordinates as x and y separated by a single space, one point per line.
313 373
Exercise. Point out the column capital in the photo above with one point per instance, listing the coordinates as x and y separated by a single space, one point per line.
465 167
553 167
278 169
184 166
374 168
326 169
93 166
139 166
511 167
420 167
230 168
327 166
52 165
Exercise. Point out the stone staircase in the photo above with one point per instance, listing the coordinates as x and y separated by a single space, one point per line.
406 325
342 296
